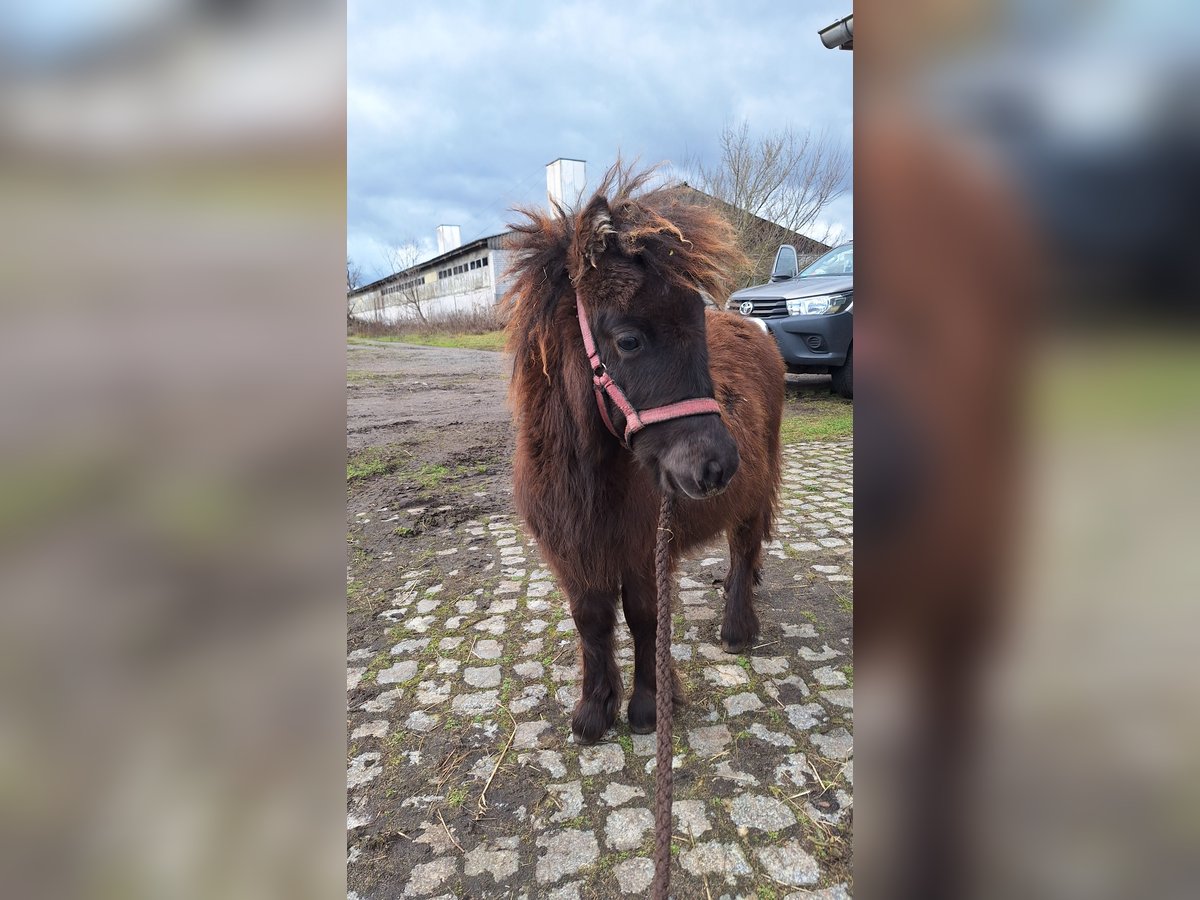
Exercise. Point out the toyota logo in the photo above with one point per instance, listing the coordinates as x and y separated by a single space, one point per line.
746 308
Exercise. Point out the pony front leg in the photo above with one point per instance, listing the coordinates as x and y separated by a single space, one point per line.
595 614
639 599
739 628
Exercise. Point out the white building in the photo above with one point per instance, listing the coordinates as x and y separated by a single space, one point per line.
462 278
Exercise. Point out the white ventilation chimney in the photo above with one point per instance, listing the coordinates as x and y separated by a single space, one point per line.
449 238
565 181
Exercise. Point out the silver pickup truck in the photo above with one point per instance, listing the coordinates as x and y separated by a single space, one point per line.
810 312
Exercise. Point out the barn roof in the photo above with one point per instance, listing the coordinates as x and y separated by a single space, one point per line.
492 240
804 245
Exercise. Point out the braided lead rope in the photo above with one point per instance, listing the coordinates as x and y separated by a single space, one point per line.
663 705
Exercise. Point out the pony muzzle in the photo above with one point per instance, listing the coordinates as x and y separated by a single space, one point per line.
697 457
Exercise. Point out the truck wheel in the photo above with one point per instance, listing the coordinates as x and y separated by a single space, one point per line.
843 377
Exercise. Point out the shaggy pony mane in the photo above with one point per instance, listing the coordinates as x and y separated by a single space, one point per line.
685 245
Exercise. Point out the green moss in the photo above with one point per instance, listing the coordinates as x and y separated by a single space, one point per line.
608 861
380 661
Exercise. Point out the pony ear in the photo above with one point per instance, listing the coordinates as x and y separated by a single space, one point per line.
592 231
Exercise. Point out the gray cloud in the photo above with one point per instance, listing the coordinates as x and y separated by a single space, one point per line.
454 112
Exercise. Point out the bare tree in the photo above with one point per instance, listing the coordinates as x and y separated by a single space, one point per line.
411 293
769 186
353 282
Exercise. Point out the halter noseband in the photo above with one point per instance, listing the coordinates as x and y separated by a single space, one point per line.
635 421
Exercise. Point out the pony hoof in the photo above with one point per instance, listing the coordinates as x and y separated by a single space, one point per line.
589 723
642 714
737 646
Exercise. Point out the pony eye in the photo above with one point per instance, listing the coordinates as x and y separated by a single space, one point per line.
628 343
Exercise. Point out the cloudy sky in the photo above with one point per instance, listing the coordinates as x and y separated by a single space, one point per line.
455 108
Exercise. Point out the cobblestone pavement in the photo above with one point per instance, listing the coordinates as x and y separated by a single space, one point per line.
464 780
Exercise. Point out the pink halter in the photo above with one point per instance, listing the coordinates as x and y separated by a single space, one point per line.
634 421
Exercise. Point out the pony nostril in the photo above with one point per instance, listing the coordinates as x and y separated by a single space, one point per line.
714 475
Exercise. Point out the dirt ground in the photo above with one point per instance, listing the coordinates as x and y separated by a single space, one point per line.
461 674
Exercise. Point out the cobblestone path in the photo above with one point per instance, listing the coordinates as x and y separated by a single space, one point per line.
464 780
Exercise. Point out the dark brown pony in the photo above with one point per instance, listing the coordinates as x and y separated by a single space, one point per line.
637 259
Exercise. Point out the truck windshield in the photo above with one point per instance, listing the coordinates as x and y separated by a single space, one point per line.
838 261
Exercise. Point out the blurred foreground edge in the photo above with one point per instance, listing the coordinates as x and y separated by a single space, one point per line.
1026 183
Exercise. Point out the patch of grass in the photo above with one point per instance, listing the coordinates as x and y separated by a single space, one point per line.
608 861
766 892
845 603
380 662
488 340
358 377
430 476
1129 384
457 796
355 600
395 746
372 462
834 424
810 615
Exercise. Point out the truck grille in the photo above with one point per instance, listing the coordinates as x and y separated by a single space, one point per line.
767 309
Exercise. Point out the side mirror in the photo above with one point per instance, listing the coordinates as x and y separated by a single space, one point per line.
787 263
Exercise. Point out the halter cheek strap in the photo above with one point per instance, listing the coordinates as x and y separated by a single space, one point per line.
635 421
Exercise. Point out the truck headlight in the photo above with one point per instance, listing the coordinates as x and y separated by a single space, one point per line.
820 306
